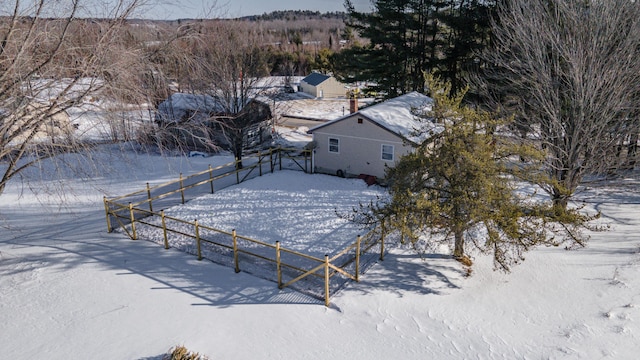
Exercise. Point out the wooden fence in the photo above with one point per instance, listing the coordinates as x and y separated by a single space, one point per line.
289 267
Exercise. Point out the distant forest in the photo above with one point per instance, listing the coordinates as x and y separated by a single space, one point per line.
293 15
293 42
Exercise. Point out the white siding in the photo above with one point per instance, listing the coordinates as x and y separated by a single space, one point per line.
360 148
331 88
308 89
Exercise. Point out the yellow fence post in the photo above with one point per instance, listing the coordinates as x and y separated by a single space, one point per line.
278 265
358 239
133 223
149 197
271 159
326 280
235 250
211 177
198 239
106 210
382 233
181 188
164 229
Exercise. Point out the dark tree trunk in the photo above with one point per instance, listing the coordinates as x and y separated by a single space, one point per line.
458 250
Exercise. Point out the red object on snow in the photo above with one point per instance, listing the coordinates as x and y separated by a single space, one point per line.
369 179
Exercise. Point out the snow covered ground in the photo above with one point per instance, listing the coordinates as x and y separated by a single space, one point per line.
69 289
304 106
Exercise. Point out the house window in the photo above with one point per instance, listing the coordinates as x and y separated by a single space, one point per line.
359 120
334 145
387 152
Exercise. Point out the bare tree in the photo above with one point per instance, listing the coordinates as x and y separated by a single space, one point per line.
43 73
570 68
230 66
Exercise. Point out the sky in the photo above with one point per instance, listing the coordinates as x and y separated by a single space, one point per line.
237 8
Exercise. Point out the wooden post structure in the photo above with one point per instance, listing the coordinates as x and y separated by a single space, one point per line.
211 177
358 239
278 265
149 197
198 239
164 229
134 235
106 210
181 188
382 233
326 280
260 163
305 161
237 173
236 259
271 159
280 156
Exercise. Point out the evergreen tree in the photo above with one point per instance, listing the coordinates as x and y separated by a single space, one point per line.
467 32
409 37
461 189
321 62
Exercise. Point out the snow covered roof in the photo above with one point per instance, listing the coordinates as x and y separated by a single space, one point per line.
179 105
199 107
398 115
315 79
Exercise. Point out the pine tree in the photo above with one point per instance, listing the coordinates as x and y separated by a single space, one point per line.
461 189
409 37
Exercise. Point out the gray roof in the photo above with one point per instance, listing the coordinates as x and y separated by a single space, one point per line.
316 79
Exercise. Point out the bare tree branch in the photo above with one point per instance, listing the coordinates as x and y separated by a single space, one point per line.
570 70
47 66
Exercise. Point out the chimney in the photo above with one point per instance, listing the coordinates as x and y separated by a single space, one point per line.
353 104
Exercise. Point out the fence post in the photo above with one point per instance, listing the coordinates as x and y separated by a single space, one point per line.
271 158
280 156
198 239
260 163
234 235
181 188
149 197
305 161
106 210
358 239
382 233
133 223
164 229
237 173
211 177
278 265
326 280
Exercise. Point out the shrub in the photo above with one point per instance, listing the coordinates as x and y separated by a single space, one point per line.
182 353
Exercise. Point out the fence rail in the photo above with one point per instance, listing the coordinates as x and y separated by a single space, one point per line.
136 208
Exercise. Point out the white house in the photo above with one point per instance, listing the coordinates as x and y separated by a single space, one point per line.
322 86
367 141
